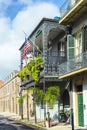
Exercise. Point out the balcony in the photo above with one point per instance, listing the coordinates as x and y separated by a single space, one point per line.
71 12
53 60
74 66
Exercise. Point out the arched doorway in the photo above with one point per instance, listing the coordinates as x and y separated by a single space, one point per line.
66 99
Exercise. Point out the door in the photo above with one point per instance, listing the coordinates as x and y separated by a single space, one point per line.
80 110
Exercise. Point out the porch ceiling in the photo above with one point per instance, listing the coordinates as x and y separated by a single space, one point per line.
54 33
74 13
72 73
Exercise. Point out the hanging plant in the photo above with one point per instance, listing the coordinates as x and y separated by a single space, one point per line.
38 95
33 68
51 96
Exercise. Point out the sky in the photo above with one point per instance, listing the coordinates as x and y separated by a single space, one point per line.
17 17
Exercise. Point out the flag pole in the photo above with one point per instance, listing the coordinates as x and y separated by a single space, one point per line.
32 42
25 33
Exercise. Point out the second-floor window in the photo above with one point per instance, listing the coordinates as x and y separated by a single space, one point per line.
78 47
62 49
78 44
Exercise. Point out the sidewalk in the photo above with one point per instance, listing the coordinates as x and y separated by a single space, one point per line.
10 115
65 127
68 127
57 127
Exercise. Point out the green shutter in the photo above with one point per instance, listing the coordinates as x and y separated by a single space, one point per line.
84 38
70 47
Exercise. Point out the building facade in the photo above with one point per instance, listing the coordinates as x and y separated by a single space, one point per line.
8 94
47 39
74 69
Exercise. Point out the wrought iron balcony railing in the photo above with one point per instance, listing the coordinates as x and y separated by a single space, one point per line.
53 60
78 62
67 5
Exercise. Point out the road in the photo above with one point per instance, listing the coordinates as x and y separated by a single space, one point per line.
6 124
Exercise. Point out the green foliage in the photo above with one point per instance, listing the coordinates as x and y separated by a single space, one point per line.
39 61
33 69
35 73
50 97
21 99
40 124
24 72
38 95
52 94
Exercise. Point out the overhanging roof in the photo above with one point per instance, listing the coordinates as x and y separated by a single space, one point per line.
72 73
74 13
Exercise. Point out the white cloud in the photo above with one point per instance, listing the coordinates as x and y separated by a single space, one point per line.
12 36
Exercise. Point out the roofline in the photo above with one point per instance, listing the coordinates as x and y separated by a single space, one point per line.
42 20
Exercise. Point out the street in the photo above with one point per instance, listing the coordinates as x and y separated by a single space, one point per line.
6 124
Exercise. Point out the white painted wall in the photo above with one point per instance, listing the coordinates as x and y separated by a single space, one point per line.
53 112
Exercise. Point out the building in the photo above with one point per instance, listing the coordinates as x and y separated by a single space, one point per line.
74 69
1 82
47 39
9 92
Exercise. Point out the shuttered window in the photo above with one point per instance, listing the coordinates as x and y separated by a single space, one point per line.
70 47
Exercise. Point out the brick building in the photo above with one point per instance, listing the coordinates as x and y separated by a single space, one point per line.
8 93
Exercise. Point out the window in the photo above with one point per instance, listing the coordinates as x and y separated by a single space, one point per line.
78 49
62 49
79 44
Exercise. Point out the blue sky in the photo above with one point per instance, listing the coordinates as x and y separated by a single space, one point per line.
16 6
17 16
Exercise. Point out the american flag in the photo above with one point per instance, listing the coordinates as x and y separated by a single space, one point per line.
26 47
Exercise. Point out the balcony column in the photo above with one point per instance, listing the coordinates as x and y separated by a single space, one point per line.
21 105
45 46
20 93
71 104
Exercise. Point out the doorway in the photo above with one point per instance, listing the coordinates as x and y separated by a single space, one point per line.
80 106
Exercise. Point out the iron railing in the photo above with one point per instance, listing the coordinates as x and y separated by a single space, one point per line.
53 60
67 5
78 62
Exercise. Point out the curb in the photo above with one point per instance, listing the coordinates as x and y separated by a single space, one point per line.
34 126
